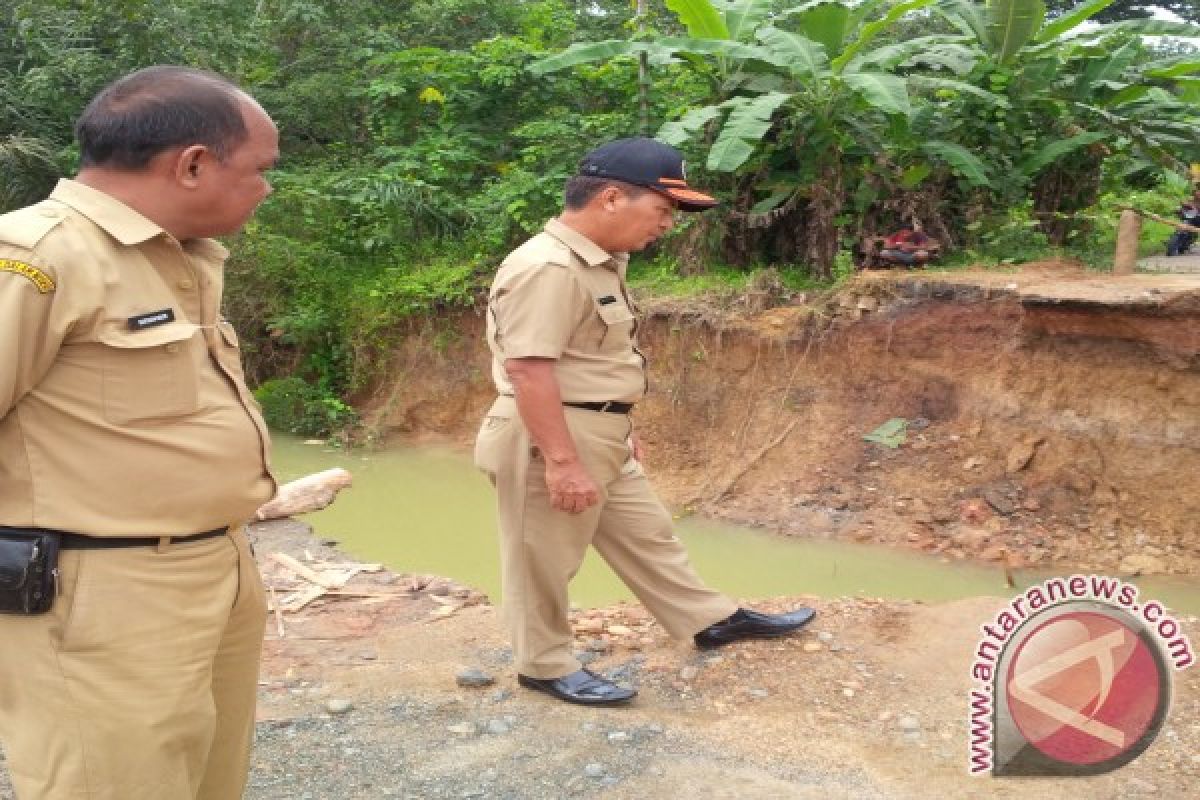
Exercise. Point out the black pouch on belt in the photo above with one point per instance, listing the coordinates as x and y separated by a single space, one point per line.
28 570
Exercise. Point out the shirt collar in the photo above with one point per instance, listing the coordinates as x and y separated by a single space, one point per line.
123 223
591 253
117 219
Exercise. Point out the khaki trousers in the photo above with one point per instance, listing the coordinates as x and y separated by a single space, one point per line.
542 548
140 683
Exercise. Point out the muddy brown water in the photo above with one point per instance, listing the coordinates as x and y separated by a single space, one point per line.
428 510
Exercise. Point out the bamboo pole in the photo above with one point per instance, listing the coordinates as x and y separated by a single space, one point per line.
1129 230
1183 226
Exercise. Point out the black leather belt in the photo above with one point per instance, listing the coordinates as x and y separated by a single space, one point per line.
74 541
611 406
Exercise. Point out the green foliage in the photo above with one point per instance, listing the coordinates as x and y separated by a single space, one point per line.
27 170
1008 236
420 146
1096 244
295 406
1011 24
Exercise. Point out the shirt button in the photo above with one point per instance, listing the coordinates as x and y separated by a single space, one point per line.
173 348
186 284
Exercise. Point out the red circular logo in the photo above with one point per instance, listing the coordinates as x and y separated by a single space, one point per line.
1086 687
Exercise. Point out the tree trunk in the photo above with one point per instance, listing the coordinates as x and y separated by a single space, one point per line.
1129 230
643 76
823 235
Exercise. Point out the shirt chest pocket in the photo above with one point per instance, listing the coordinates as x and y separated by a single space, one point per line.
616 330
150 374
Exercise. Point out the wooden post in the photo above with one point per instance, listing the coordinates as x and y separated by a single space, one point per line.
1129 231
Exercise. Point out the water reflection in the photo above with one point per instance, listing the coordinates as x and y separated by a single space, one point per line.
430 511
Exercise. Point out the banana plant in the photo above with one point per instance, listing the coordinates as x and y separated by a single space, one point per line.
1094 80
802 94
817 65
1079 94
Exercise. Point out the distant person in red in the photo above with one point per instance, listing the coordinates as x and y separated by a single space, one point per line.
909 246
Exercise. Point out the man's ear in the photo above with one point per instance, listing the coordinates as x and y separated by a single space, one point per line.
189 165
609 196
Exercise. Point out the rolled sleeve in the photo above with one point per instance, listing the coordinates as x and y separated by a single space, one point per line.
536 311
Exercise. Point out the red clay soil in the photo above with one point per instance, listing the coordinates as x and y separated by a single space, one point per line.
1053 414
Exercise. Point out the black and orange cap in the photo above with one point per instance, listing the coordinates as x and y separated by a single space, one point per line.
646 162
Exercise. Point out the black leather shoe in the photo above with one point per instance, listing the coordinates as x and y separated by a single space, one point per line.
746 624
581 687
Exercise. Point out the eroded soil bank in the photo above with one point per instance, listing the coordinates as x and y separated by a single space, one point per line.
1053 415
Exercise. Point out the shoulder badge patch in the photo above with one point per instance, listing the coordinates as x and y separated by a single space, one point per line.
41 280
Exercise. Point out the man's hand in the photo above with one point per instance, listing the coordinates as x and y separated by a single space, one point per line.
571 488
539 403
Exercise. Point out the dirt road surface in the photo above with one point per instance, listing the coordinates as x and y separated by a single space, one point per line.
360 700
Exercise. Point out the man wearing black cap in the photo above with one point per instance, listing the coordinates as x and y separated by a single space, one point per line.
558 442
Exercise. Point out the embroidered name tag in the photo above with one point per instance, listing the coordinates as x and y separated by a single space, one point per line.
41 280
607 300
143 321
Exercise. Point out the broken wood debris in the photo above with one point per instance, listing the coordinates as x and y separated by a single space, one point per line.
293 585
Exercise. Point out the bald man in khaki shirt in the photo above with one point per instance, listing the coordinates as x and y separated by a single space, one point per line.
127 428
558 443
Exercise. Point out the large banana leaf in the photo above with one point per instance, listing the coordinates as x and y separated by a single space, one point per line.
825 23
743 17
700 18
888 93
1127 94
966 16
1174 67
749 120
587 53
893 55
1107 68
867 33
1072 19
801 56
1189 90
959 159
1057 149
1011 24
678 131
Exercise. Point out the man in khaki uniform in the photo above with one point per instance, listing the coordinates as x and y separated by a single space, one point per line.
126 424
558 442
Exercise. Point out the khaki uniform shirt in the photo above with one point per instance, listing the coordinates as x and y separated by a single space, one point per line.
123 407
560 296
